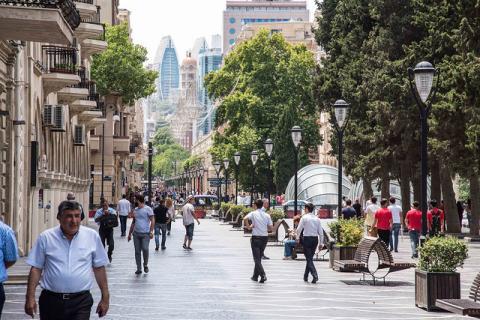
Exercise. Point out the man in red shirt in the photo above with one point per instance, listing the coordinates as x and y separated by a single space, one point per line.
413 220
383 222
435 219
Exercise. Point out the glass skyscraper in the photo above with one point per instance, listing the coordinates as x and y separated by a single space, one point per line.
166 63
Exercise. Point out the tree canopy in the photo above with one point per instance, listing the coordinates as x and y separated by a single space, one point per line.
169 155
120 68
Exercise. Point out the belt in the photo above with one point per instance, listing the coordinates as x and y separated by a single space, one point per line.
66 296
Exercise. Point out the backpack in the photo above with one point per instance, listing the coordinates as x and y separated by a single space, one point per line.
109 221
436 222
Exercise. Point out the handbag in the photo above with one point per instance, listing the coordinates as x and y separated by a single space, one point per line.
109 221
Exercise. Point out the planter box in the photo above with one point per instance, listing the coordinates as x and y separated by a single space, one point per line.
430 286
341 253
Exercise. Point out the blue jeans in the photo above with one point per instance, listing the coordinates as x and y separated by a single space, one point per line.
163 228
394 236
289 245
414 240
2 298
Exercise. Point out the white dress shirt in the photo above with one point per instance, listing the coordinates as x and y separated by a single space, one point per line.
260 220
67 264
311 226
124 207
188 211
396 213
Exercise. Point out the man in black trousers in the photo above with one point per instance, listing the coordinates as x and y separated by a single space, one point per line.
312 230
261 225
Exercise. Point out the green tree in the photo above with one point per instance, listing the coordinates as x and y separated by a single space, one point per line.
119 69
264 89
169 155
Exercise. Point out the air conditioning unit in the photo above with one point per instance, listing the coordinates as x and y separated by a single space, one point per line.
58 118
78 135
48 115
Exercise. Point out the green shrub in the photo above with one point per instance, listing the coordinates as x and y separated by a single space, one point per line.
276 214
236 210
347 232
246 210
442 254
225 207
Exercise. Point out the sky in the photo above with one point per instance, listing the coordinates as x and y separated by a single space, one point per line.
184 20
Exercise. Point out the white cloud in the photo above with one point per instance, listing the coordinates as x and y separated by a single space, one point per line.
184 20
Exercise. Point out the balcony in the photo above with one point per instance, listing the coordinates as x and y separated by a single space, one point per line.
60 67
94 143
93 46
121 145
86 8
86 117
74 92
49 21
95 123
91 27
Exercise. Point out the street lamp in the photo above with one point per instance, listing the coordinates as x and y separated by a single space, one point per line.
226 164
421 78
150 155
268 149
341 108
217 165
194 177
236 157
296 132
254 158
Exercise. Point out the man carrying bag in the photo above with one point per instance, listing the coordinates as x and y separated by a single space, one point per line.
107 219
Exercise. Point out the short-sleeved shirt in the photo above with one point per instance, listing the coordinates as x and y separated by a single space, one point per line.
67 264
370 214
187 212
358 209
161 214
436 211
414 218
8 249
260 220
142 219
383 216
348 213
123 207
396 213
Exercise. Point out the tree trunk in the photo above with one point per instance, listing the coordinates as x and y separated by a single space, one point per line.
405 189
451 215
385 192
435 190
475 197
367 189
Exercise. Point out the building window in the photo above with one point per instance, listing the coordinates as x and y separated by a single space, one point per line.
231 41
232 31
232 20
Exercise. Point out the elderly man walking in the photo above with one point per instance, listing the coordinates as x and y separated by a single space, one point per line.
312 230
62 260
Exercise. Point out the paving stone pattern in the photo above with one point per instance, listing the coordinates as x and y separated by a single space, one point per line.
213 282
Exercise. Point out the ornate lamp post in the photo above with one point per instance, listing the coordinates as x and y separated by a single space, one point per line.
226 163
217 165
296 132
194 177
268 149
421 79
254 158
236 157
341 108
150 155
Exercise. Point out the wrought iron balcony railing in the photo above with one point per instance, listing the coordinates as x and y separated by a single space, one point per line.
69 11
84 1
82 73
59 59
93 19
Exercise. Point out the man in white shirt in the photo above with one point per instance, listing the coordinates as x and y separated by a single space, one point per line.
261 225
370 216
188 213
397 224
62 260
312 230
124 207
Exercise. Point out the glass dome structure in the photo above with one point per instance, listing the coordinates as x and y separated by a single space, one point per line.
318 184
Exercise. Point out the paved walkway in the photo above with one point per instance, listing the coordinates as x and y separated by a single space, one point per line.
213 282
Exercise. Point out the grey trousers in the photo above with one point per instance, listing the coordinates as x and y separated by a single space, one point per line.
141 242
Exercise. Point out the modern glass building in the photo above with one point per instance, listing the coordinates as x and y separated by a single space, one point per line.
166 63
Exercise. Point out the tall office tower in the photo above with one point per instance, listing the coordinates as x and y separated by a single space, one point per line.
166 63
200 45
241 12
208 60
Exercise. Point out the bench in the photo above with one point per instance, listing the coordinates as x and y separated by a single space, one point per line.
326 244
378 269
228 217
465 307
237 223
273 236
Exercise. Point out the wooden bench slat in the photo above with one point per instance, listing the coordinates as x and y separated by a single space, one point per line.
459 306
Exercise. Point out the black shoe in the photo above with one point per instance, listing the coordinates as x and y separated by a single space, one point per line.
305 279
168 233
156 248
391 249
188 248
254 279
138 272
163 248
314 280
145 269
396 250
263 279
264 257
184 246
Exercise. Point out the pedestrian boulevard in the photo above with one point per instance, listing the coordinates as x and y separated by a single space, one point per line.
213 282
